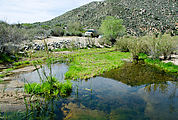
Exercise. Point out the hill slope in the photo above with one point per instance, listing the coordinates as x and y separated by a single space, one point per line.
139 16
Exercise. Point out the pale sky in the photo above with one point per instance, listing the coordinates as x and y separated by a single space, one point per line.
29 11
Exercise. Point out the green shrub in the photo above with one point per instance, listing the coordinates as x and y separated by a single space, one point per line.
74 29
9 37
164 45
57 31
122 44
6 58
46 27
37 33
27 25
112 28
2 75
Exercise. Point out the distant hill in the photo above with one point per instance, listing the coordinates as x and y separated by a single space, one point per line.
139 16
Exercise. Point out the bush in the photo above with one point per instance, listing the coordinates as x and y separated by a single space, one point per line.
37 33
9 37
155 47
122 44
112 28
167 46
74 29
57 31
164 45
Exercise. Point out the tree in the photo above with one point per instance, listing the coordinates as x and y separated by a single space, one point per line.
112 28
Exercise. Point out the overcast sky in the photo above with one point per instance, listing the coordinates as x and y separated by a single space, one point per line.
29 11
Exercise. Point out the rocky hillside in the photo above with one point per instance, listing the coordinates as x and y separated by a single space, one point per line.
139 16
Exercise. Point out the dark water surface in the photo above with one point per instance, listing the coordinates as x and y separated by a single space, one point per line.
133 92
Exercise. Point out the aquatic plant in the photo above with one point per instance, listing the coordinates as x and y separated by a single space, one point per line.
58 88
49 86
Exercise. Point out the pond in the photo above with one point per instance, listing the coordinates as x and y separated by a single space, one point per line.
132 92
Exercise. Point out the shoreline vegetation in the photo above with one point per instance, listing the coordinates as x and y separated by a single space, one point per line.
87 63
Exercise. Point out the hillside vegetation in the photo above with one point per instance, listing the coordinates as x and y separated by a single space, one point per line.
139 16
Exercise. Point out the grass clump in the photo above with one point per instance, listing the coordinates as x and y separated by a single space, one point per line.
2 75
90 65
58 88
21 63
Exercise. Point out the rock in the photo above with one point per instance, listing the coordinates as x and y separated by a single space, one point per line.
63 42
107 46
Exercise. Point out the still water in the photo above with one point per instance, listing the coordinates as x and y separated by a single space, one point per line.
133 92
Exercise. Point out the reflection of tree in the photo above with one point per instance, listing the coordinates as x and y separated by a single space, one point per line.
139 74
168 89
162 87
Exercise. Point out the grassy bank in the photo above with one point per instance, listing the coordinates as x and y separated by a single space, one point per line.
167 67
86 63
90 65
41 57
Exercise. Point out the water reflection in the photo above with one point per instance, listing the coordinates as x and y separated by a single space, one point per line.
131 92
58 70
139 74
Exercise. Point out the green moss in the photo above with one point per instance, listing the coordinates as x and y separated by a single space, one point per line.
90 65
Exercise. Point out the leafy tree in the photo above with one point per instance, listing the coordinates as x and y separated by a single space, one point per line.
112 28
74 29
